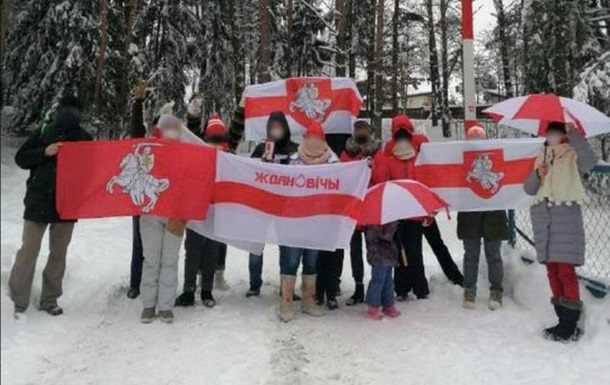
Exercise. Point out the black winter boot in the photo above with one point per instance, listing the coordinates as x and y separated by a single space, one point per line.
567 330
548 332
207 298
186 299
358 296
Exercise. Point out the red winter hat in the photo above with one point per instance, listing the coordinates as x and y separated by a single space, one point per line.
215 127
315 129
402 121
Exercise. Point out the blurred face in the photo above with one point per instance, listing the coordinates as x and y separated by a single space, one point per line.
361 135
554 137
276 131
314 144
171 130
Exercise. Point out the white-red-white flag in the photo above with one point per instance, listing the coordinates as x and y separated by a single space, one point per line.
332 102
314 207
479 175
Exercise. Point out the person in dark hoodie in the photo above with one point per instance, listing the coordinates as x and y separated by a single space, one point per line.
278 133
39 155
138 130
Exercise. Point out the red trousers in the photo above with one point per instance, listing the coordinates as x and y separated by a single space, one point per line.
563 280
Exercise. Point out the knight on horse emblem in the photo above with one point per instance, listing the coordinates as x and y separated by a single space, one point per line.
135 178
482 172
308 101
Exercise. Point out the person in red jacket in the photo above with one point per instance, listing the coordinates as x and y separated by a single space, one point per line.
400 154
360 146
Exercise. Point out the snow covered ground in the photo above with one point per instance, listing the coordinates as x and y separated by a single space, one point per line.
99 340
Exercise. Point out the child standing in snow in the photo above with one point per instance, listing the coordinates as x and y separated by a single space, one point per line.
161 241
557 221
492 227
382 255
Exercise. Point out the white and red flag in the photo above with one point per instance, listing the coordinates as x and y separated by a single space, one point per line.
313 207
479 175
332 102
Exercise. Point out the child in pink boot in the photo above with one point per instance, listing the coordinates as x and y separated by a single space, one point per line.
382 255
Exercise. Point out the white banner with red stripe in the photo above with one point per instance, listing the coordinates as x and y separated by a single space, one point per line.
479 175
332 102
257 203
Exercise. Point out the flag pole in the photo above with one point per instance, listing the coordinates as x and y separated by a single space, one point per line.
470 108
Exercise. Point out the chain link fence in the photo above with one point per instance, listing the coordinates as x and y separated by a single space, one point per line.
596 215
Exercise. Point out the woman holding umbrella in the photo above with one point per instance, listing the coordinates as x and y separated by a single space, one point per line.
556 184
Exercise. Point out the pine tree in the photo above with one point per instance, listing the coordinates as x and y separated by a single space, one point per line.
555 45
50 52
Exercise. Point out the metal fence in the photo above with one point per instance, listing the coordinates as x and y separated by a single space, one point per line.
596 215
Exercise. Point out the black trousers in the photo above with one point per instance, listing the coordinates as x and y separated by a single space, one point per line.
413 276
355 253
137 255
222 257
329 266
202 255
443 256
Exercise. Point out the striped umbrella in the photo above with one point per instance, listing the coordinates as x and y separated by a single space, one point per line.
399 199
533 113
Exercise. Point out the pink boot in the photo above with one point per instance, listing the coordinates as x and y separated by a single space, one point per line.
374 313
391 311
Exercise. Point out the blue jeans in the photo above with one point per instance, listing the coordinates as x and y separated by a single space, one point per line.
255 265
381 287
290 258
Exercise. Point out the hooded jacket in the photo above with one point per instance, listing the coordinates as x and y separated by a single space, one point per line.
40 194
284 147
397 168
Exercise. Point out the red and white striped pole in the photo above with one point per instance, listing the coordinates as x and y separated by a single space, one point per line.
470 106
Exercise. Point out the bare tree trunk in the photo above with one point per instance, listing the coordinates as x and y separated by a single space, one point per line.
290 23
99 70
5 9
265 33
235 13
379 70
123 87
444 100
434 71
395 47
508 86
351 55
341 8
370 70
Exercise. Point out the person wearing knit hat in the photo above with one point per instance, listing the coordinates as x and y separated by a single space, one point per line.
204 255
216 133
312 151
556 183
491 227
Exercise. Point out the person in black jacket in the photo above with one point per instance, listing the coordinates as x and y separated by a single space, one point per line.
38 154
138 130
278 132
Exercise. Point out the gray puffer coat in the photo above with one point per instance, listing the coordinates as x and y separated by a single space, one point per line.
559 233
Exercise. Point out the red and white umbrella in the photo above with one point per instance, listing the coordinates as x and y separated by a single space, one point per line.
532 114
399 199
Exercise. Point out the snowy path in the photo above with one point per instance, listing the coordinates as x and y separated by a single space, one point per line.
100 341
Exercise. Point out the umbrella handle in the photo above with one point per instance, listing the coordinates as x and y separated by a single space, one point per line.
546 146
